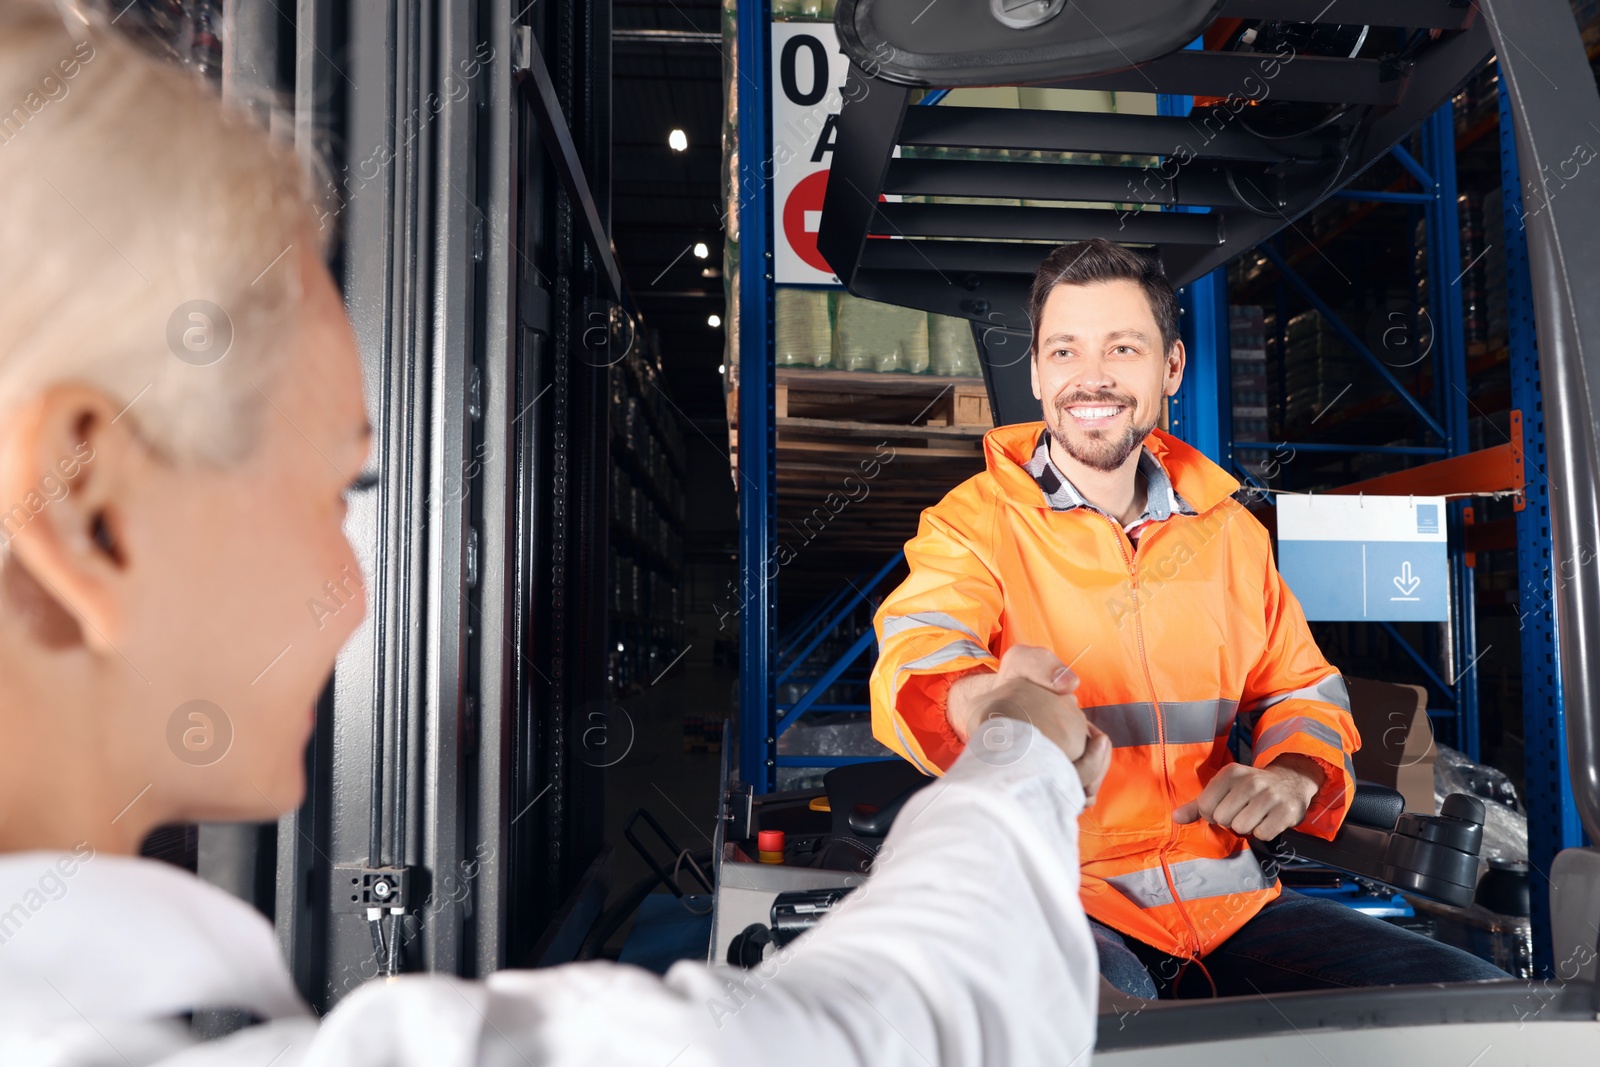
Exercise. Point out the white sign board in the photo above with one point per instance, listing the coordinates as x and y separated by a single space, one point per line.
1365 558
808 84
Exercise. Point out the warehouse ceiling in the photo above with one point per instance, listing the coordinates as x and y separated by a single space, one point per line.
667 67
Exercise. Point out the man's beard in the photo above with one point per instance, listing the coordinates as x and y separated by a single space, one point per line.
1099 452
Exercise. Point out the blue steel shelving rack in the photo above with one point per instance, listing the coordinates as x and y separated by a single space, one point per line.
760 654
1201 411
758 441
1553 822
767 660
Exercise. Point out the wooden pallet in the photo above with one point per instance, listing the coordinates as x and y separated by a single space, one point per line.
861 454
861 396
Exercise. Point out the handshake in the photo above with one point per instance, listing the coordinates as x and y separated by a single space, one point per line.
1035 687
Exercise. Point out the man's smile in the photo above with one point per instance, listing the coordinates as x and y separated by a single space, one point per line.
1096 413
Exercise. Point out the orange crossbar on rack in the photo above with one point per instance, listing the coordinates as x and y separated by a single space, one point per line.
1487 471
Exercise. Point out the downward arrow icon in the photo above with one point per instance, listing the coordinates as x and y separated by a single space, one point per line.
1406 582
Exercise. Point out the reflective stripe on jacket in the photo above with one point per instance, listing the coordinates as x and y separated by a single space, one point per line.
1172 642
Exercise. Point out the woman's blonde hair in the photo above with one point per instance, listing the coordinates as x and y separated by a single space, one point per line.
136 208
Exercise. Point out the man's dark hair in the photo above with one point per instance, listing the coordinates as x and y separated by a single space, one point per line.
1099 260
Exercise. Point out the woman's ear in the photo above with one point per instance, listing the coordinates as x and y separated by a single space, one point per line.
65 466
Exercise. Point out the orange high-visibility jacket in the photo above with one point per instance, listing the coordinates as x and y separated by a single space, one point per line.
1171 641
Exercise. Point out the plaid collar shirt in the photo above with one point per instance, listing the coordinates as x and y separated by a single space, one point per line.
1161 499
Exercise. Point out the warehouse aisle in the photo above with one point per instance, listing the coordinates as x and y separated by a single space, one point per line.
678 787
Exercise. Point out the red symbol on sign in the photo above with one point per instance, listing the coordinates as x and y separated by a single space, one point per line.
802 214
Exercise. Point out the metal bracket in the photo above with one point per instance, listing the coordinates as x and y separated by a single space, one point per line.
360 889
738 804
521 47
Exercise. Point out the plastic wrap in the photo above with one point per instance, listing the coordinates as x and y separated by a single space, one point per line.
803 332
849 738
1462 775
951 346
880 337
1505 826
844 735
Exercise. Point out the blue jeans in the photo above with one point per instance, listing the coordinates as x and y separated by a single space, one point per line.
1296 942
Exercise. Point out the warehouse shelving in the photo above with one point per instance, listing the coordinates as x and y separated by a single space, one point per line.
647 630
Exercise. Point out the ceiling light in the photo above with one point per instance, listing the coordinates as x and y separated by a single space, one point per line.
700 250
713 320
677 140
722 369
710 272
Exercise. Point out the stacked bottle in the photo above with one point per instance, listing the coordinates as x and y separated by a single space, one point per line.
952 350
803 333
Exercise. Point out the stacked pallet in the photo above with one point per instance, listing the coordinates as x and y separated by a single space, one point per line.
899 440
1247 335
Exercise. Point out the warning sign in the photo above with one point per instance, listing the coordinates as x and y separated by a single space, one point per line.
802 212
808 81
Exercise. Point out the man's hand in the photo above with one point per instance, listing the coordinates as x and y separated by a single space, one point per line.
1261 802
1034 686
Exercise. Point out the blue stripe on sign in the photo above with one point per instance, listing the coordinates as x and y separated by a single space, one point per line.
1372 581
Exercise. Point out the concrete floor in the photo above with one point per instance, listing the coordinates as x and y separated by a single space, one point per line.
679 788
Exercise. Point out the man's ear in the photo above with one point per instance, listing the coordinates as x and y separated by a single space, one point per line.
1033 372
64 461
1173 377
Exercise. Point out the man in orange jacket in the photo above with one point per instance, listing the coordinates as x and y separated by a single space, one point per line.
1098 552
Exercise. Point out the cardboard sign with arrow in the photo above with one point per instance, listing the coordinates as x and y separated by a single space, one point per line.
1365 558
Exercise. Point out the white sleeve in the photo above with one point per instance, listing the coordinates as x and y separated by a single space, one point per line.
967 945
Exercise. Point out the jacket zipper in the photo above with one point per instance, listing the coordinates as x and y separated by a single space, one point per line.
1161 727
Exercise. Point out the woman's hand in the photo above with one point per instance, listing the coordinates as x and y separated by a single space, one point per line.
1021 663
1032 686
1094 762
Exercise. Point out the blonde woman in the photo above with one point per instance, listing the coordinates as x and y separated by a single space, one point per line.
181 414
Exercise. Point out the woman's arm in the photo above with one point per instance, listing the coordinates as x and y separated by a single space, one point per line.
967 945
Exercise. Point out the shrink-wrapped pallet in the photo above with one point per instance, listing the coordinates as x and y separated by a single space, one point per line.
951 348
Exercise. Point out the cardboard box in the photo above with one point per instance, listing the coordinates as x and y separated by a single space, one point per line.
1397 747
